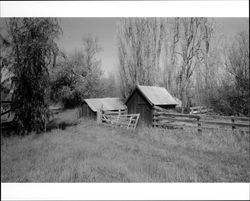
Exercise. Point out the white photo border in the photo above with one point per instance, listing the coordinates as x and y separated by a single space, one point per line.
125 191
125 8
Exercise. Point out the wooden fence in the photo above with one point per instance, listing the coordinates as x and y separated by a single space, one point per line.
164 119
118 119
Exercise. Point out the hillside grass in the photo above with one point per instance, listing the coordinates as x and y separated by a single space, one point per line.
89 152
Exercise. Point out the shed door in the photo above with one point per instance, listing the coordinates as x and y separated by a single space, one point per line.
145 116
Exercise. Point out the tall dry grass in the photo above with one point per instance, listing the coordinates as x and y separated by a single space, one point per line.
92 153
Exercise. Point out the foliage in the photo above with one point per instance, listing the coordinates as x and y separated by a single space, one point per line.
109 86
233 94
227 89
32 49
5 62
78 76
139 48
237 63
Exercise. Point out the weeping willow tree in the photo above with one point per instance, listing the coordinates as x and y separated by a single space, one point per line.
33 50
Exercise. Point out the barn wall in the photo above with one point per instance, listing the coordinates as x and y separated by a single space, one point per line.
138 104
87 112
84 110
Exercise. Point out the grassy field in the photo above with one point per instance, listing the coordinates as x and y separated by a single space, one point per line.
89 152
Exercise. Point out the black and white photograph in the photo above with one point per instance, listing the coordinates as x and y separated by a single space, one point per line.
125 99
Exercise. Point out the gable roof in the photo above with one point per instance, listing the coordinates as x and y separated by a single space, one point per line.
156 95
106 103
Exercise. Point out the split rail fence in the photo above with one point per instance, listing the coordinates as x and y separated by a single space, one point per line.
164 119
118 119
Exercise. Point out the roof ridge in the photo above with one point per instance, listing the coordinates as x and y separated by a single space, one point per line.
103 98
150 86
152 100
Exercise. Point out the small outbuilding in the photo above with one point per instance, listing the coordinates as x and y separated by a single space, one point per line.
91 106
143 99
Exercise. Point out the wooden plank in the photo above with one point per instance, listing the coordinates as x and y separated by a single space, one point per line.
122 123
160 118
115 112
176 115
6 112
204 122
242 118
122 115
195 126
137 118
224 123
225 117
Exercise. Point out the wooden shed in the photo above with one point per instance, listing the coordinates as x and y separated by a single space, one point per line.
91 106
143 99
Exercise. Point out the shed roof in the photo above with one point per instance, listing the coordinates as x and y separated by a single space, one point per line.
157 95
106 103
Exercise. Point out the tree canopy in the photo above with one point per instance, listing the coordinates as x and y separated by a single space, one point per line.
32 50
78 75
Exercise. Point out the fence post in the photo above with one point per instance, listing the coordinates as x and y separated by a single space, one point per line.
233 126
154 117
98 119
45 126
118 117
99 115
199 125
79 112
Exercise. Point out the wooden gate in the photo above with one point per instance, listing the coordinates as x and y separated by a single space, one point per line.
117 119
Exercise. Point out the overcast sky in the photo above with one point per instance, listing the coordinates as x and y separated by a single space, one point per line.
105 29
74 29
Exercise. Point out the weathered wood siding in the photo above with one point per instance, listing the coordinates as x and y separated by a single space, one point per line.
137 103
87 112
